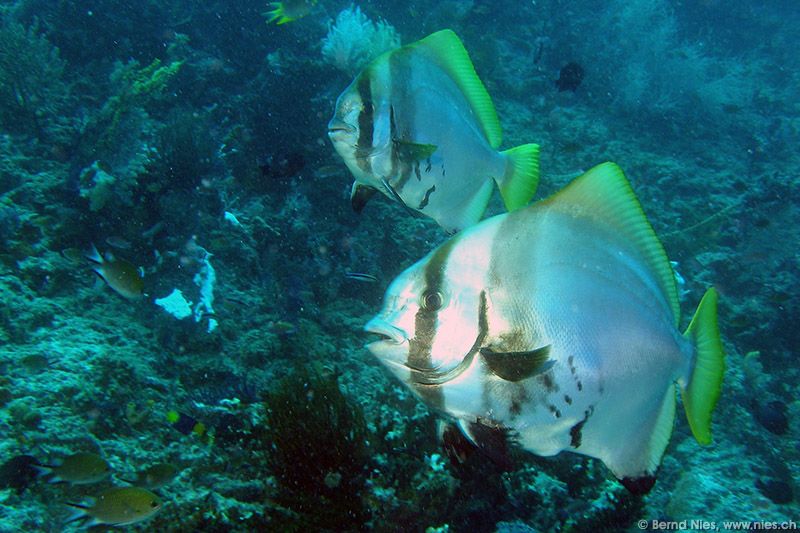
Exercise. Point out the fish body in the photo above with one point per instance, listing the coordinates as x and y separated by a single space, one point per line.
155 476
418 125
121 275
360 276
118 506
289 11
78 469
558 323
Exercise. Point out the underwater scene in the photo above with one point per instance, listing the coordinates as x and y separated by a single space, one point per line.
428 266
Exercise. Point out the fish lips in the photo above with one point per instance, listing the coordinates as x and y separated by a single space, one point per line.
393 342
339 130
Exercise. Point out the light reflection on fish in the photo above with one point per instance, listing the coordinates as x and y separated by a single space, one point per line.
558 323
418 125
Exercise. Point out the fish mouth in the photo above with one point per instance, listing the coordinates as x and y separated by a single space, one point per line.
388 333
338 128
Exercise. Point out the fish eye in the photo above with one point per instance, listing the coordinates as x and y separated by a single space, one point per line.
432 301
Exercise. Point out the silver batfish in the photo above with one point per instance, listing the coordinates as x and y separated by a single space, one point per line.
558 323
418 125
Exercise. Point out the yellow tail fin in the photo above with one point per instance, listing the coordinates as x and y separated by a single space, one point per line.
700 395
519 184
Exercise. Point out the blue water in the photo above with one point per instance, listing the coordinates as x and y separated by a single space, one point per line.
190 137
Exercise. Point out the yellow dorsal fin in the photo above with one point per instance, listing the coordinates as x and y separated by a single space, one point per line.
446 50
604 194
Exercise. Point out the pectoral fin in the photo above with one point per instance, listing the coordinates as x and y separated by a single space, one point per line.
360 195
516 366
409 151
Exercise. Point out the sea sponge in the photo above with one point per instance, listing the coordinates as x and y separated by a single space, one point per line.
354 40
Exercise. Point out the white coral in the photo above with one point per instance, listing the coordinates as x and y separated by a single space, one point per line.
354 40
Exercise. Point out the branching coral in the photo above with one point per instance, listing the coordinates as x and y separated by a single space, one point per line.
354 40
122 134
32 92
317 451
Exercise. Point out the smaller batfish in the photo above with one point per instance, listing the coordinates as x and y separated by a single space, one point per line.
418 125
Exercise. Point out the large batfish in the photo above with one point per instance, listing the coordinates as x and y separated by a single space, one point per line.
559 324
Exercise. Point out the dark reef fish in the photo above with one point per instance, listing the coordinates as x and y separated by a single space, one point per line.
77 469
570 77
154 477
117 506
18 472
772 415
281 167
418 125
122 276
559 324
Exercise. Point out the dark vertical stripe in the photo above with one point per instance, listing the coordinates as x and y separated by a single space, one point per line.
423 381
365 122
419 353
400 67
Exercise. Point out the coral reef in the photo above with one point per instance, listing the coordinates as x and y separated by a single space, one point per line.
33 93
186 135
354 40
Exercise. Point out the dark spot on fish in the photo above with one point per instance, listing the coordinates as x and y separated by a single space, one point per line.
547 381
570 77
424 203
571 363
553 409
575 432
417 173
580 385
568 399
428 167
515 409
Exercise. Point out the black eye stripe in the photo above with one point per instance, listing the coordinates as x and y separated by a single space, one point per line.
419 353
365 121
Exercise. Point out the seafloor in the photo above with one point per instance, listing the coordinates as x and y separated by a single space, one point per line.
180 134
